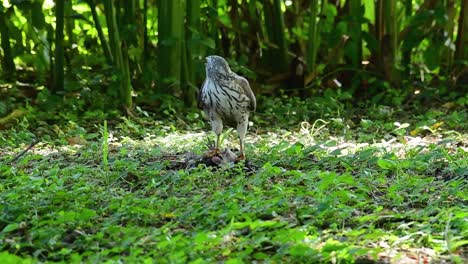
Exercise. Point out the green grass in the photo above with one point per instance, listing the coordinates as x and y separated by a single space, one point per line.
360 188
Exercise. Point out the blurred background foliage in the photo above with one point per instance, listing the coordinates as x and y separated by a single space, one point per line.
118 54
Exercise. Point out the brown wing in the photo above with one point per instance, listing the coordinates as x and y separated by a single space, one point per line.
200 95
242 82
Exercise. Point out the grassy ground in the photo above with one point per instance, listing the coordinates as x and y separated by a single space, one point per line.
322 183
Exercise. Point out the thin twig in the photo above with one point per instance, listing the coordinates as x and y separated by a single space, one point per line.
24 151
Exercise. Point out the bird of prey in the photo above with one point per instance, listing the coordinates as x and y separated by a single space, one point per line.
226 97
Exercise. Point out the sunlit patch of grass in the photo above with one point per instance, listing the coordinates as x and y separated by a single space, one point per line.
339 191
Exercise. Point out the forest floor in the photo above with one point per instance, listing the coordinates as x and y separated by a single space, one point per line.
321 183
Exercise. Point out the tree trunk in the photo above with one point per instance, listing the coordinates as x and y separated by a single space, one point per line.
8 64
59 71
406 54
448 52
461 52
170 33
313 43
120 54
69 22
390 42
145 32
386 33
237 24
191 49
355 41
102 39
111 28
277 57
129 19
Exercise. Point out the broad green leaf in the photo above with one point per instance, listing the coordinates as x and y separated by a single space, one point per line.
86 214
10 227
386 164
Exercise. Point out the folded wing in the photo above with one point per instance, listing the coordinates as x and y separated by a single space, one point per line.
244 84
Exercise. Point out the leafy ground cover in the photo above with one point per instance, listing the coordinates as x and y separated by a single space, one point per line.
323 183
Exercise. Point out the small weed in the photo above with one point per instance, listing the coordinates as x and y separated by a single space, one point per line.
105 152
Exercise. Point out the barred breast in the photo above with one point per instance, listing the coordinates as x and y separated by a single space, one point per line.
226 98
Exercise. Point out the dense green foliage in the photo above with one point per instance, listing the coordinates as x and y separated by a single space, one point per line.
148 49
357 151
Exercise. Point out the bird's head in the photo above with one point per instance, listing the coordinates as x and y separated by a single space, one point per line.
216 65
